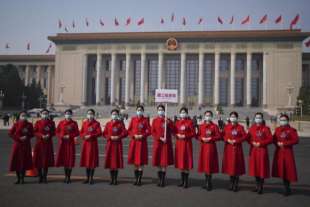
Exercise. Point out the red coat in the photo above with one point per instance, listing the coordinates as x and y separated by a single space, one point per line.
233 159
183 147
258 156
284 163
90 152
43 155
21 158
162 151
114 148
138 152
208 158
66 147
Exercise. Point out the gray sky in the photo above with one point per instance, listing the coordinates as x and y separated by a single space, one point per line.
23 21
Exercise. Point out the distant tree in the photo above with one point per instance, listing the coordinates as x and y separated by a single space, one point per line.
304 95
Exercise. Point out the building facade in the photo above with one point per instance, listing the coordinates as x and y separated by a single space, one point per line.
228 68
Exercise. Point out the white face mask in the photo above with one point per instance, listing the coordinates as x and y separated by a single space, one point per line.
23 117
258 120
233 119
44 116
139 113
208 118
183 115
283 122
90 116
161 113
68 116
114 116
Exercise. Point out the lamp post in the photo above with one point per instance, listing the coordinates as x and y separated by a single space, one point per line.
1 99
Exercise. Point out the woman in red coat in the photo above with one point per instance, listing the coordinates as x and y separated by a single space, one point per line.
89 132
139 129
233 159
285 137
208 134
162 145
259 137
21 159
67 131
114 131
185 131
43 155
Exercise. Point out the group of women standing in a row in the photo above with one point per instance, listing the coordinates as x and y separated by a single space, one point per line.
208 133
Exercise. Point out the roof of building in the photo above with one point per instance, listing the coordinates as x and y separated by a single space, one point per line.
27 58
240 35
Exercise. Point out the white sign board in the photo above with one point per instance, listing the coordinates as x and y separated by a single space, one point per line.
166 96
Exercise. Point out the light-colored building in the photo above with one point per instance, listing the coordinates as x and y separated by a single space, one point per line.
209 68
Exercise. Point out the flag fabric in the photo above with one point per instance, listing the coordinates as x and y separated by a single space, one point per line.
184 21
128 21
59 24
231 20
86 22
294 21
116 23
7 46
28 46
263 19
246 20
73 24
200 20
141 21
162 21
219 20
278 19
172 17
49 47
307 44
101 22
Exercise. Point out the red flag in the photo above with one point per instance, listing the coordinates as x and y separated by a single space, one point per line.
101 22
246 20
59 24
294 21
28 46
141 21
49 47
116 23
73 24
7 46
231 20
307 43
128 21
162 21
200 20
219 19
172 17
184 21
66 29
263 19
278 19
86 22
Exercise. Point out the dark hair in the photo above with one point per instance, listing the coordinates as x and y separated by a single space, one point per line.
68 110
234 113
259 113
44 110
115 110
140 107
92 110
210 112
23 111
184 109
284 115
161 106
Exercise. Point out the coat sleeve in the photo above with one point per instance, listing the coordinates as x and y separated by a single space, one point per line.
76 131
224 134
12 132
124 133
268 139
105 131
82 131
217 134
191 133
293 139
242 137
37 133
148 129
59 132
130 130
153 130
199 132
98 131
30 132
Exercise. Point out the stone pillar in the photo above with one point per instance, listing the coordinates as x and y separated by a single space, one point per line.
248 78
232 78
84 79
98 79
113 76
127 78
160 70
217 78
182 78
200 79
265 79
27 75
38 74
49 84
142 83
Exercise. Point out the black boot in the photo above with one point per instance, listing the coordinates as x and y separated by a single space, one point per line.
159 174
287 188
18 175
40 175
115 177
257 182
87 176
163 179
236 184
232 183
92 172
209 183
112 177
136 177
45 172
182 179
186 180
140 173
69 176
22 176
261 186
66 175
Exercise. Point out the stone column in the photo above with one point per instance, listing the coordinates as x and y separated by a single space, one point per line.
98 79
217 78
127 78
84 79
182 78
265 79
232 78
200 79
142 83
49 84
113 76
27 74
160 70
248 78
